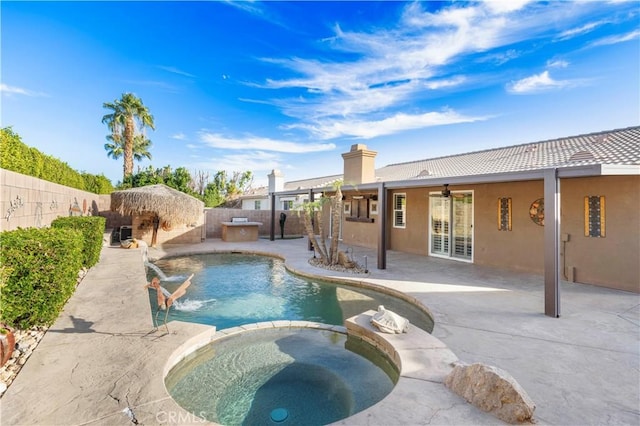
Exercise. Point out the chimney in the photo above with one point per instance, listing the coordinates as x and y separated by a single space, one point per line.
276 181
359 165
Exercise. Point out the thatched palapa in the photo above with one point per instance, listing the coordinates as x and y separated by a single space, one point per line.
169 205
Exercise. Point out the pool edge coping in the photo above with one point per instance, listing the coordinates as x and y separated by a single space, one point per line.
407 351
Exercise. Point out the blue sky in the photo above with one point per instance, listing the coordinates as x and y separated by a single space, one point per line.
292 85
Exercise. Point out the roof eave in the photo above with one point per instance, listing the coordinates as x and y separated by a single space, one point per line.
538 174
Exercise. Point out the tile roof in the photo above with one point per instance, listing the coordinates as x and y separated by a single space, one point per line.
614 147
619 147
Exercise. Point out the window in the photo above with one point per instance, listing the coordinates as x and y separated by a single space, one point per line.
360 207
594 216
504 214
256 205
399 210
357 208
287 205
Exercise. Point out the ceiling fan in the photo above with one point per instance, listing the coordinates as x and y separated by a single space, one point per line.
445 193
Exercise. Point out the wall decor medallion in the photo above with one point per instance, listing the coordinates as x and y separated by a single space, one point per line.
536 211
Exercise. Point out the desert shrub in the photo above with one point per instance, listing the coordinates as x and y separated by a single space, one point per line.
41 267
92 229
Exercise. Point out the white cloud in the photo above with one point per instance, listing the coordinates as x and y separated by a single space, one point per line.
557 63
584 29
253 142
395 66
175 70
505 6
248 6
254 161
501 58
447 82
367 129
13 90
616 39
537 83
256 9
179 136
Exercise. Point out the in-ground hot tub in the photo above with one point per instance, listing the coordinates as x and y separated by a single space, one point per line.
310 373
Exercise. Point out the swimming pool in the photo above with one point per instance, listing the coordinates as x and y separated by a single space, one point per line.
231 289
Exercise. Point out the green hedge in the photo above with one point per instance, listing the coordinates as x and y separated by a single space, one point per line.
92 228
20 158
42 267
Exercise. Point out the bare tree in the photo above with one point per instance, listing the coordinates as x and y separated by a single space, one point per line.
311 212
199 181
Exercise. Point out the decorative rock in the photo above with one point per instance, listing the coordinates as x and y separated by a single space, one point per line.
25 342
5 376
389 322
492 390
344 260
337 268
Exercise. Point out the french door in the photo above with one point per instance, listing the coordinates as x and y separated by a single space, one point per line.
451 225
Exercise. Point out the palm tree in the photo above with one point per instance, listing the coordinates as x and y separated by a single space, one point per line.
126 112
141 146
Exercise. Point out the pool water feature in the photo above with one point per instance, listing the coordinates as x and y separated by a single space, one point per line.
231 289
287 375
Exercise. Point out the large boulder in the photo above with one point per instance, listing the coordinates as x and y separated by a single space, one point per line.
492 390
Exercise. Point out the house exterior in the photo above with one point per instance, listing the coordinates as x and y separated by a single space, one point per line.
567 208
259 198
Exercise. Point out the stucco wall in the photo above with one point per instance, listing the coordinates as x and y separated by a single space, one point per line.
612 261
414 237
31 202
522 248
360 223
214 217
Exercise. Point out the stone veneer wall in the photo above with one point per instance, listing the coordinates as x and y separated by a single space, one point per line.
27 202
294 225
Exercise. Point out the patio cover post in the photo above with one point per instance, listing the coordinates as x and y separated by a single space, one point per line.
273 217
309 243
551 243
382 226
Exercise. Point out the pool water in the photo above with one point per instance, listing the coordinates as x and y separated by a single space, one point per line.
231 289
289 376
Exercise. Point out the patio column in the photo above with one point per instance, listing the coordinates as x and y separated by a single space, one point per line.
273 217
382 226
309 243
551 243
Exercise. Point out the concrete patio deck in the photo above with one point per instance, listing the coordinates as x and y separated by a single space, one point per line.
100 363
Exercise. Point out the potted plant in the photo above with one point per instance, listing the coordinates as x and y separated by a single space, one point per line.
7 343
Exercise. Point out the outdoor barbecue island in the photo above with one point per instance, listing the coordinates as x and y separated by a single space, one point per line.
240 230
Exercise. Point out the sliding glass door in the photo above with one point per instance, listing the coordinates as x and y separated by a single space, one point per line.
451 225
